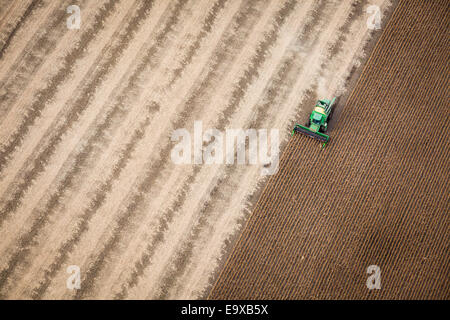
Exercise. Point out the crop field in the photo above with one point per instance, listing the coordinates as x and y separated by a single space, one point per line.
377 195
86 118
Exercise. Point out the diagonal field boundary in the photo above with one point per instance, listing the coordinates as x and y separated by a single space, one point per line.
377 195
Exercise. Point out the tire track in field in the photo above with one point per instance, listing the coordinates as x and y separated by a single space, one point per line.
45 95
153 172
98 135
18 25
21 74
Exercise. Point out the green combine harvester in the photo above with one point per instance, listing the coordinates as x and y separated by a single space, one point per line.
317 123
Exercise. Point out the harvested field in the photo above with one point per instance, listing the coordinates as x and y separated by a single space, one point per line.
86 117
378 194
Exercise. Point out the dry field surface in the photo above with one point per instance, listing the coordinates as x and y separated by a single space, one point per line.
377 195
86 117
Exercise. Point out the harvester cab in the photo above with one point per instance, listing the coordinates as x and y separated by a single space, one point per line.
317 123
